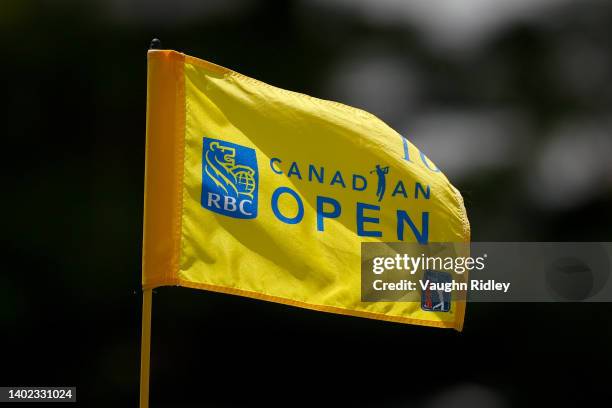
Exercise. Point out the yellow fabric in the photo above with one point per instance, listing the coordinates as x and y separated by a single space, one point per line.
200 119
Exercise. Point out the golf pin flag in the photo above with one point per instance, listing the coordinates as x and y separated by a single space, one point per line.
258 191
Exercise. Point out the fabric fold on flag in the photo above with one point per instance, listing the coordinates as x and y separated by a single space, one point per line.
261 192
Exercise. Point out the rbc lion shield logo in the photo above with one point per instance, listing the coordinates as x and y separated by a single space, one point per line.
230 179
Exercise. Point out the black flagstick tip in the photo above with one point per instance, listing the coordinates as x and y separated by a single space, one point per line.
155 44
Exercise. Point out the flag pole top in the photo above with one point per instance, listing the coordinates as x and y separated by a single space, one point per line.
155 44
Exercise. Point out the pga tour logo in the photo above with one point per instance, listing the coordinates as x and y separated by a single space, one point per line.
436 300
230 179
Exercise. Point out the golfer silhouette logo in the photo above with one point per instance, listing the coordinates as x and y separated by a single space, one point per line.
436 300
381 172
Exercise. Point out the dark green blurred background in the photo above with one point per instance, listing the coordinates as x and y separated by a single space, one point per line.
511 99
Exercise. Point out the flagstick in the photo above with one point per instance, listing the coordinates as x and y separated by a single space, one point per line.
147 305
145 347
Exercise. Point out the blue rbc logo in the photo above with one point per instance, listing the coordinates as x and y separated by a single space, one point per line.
229 179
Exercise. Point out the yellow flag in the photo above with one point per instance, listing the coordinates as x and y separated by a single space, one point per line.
262 192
